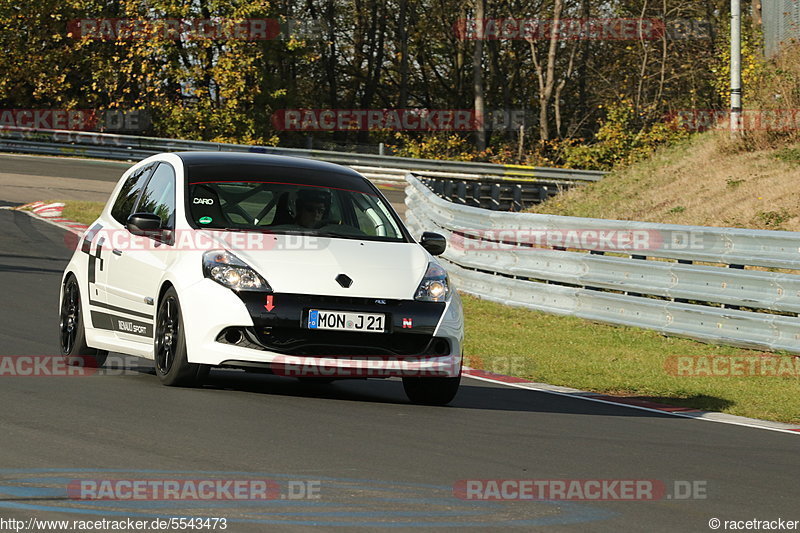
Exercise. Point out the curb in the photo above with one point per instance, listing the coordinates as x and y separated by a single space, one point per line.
52 213
633 403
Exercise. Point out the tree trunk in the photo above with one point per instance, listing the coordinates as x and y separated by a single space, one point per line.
477 79
546 86
583 72
330 63
374 61
756 14
402 99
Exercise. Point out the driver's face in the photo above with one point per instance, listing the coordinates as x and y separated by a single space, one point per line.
310 214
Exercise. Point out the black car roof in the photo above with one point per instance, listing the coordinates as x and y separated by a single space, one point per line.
242 166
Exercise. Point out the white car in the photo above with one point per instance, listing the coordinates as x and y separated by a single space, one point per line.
267 263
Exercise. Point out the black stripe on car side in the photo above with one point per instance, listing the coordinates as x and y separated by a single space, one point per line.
121 324
94 259
89 236
86 247
120 309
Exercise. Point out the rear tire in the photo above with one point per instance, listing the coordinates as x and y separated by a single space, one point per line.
431 391
171 362
74 349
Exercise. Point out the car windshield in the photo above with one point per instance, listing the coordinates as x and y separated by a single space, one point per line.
285 207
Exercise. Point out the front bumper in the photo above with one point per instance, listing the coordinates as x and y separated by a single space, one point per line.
250 330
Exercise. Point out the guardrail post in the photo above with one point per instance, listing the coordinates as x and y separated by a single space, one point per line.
476 193
682 300
516 191
495 197
643 258
542 193
448 190
461 189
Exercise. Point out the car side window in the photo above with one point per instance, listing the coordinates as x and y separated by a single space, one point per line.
123 206
158 197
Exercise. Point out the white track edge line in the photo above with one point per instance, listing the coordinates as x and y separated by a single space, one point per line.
642 408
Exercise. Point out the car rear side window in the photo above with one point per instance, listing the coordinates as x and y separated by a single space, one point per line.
158 197
128 194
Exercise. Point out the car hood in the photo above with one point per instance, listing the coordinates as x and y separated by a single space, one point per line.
310 265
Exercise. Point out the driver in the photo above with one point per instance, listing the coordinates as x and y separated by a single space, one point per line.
311 206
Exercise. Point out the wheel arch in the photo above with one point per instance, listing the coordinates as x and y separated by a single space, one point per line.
165 286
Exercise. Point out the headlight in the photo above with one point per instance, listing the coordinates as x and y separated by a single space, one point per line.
435 286
230 271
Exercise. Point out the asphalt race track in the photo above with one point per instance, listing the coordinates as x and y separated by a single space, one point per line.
352 454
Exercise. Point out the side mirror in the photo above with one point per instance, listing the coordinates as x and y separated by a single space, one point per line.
433 242
144 224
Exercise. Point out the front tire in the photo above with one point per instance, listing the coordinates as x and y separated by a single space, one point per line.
74 349
431 391
171 362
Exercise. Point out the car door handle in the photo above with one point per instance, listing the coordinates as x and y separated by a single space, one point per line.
116 252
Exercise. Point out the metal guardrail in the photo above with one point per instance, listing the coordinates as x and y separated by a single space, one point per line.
377 167
545 262
497 195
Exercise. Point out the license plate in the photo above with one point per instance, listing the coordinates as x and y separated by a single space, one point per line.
344 321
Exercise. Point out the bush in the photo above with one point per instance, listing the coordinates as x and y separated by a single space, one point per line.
623 138
620 141
777 88
446 146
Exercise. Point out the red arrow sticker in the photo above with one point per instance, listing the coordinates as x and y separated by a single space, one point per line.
269 307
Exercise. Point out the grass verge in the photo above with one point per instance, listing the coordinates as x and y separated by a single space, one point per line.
83 212
702 181
621 361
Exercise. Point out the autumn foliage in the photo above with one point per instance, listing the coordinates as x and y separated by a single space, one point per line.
606 99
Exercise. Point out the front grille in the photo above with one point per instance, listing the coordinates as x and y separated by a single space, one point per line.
336 343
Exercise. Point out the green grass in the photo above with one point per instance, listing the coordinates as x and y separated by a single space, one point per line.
83 212
625 361
789 155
